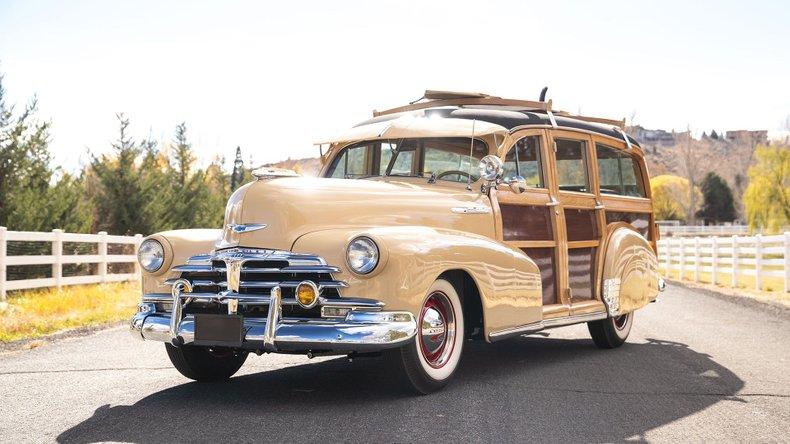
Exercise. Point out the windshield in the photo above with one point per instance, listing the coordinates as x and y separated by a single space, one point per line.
437 158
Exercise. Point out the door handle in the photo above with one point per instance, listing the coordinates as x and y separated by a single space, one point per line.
552 202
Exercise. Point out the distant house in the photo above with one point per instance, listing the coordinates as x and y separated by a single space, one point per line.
755 137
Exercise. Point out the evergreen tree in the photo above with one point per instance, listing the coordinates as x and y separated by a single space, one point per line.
119 198
24 156
718 204
237 177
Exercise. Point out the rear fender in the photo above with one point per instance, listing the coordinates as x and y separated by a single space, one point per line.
630 270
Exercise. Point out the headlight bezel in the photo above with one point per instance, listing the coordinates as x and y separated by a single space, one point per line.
158 248
375 258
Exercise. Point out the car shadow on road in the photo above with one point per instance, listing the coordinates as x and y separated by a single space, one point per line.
522 389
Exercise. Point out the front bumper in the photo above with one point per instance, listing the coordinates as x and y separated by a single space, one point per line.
358 331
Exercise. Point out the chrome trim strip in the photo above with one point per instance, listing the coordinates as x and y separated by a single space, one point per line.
247 299
471 210
259 284
546 323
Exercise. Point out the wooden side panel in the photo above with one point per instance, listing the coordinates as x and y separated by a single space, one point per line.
525 223
581 224
544 258
580 266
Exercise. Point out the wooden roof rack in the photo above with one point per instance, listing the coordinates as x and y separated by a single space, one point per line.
433 98
436 98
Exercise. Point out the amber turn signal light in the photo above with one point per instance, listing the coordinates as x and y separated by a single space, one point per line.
307 294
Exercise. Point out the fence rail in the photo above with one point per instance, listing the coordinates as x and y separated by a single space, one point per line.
702 230
57 259
734 261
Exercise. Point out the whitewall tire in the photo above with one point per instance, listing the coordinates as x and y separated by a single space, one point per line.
428 363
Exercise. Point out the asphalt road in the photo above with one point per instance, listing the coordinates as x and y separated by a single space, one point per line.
696 368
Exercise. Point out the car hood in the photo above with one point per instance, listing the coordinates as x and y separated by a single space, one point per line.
294 206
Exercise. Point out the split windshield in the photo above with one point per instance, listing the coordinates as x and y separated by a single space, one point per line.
439 158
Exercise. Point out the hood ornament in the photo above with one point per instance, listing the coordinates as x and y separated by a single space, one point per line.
245 228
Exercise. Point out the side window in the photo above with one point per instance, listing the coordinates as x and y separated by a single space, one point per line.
571 166
351 163
387 150
523 159
619 172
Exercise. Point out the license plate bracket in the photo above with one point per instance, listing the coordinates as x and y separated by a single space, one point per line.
219 330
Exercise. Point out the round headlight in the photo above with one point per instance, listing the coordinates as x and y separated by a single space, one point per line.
151 255
362 255
491 167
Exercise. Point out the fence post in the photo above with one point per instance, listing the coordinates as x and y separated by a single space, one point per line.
758 262
3 254
138 238
57 252
715 259
787 261
734 261
103 253
696 259
682 258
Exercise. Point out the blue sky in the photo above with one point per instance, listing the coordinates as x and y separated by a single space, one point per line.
274 77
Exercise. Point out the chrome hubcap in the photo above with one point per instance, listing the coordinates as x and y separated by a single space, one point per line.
437 330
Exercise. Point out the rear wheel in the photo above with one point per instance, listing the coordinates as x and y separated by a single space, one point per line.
205 364
611 332
428 363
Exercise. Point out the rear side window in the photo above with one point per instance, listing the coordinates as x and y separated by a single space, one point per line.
619 173
523 159
571 166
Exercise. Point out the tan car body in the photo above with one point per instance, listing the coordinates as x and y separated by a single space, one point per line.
424 230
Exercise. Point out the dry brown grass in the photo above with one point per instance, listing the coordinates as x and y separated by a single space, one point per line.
35 313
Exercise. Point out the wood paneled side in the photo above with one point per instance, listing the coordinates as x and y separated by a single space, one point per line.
544 258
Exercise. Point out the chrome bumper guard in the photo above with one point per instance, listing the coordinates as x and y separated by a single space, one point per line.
360 331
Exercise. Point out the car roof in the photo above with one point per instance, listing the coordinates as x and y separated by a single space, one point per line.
507 118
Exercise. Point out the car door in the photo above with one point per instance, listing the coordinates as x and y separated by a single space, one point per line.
529 220
580 220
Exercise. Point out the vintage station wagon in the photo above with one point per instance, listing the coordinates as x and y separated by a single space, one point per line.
458 217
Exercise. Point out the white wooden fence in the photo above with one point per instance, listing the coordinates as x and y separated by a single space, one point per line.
57 259
702 230
728 260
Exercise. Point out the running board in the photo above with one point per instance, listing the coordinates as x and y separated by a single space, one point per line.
544 324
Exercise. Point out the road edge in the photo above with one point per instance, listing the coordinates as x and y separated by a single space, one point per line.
31 343
774 308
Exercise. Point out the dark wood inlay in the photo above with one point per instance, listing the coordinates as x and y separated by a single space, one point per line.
526 223
640 221
581 224
580 264
544 258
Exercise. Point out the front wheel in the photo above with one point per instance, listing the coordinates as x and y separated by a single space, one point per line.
611 332
428 363
205 364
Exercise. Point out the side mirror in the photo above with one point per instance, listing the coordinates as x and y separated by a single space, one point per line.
491 168
517 184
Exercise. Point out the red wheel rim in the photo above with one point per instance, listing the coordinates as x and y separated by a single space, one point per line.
620 322
437 330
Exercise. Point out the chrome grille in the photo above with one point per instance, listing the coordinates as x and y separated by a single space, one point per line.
261 270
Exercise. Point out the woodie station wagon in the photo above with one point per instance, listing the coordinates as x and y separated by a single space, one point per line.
458 217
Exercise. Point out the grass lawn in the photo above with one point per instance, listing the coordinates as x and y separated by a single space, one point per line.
35 313
772 287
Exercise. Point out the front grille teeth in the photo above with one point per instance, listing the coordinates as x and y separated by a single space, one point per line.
261 271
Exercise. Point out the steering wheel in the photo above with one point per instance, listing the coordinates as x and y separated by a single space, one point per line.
451 172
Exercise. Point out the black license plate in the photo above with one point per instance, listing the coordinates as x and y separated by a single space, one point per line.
224 330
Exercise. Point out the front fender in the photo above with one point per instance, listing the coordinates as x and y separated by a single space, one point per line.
179 245
630 270
413 257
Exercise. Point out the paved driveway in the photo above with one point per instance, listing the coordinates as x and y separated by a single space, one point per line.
695 368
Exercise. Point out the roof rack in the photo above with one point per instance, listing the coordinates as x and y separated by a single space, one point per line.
436 98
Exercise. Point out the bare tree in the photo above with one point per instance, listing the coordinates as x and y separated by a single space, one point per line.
691 159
